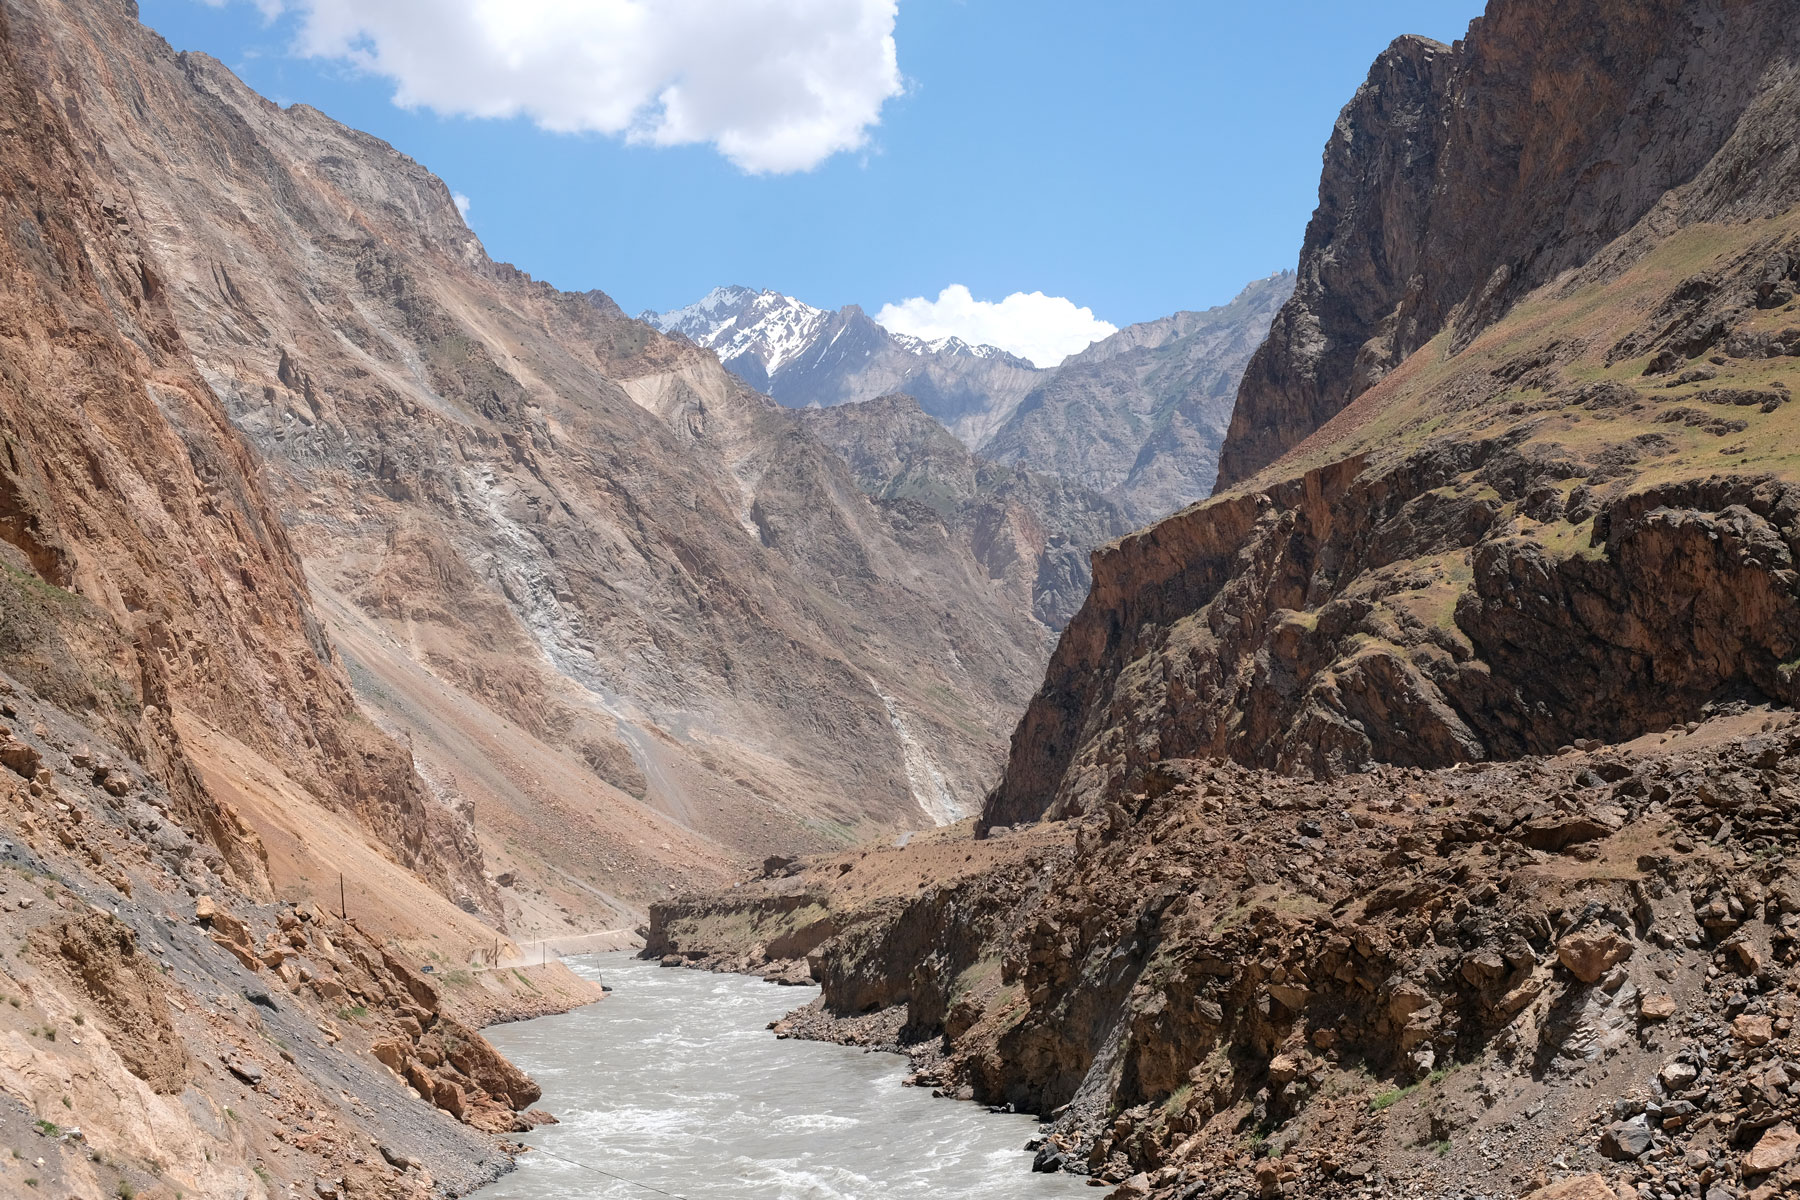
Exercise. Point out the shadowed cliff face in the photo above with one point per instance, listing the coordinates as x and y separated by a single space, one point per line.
1461 178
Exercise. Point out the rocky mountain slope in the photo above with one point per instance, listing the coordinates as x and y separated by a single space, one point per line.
1572 522
1415 817
1138 416
626 610
1033 533
1461 178
179 1017
812 357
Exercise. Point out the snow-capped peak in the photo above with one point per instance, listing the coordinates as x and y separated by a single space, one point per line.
737 321
774 329
951 345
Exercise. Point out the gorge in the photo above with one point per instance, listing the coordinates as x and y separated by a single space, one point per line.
1376 777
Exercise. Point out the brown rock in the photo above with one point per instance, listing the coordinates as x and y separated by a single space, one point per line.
1656 1006
390 1054
1753 1030
1773 1151
18 757
1748 958
1590 953
1577 1187
101 958
238 950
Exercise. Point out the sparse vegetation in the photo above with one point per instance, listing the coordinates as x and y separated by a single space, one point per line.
1392 1097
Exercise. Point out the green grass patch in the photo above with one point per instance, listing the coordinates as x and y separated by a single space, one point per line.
1393 1096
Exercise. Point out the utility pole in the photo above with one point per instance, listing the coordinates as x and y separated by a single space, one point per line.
343 909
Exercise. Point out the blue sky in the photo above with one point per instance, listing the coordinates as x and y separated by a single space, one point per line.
1137 157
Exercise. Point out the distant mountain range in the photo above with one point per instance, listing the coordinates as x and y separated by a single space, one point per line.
1137 417
808 357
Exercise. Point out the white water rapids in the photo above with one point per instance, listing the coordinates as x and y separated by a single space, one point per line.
674 1083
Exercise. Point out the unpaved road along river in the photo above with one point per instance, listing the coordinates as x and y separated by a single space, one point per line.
675 1083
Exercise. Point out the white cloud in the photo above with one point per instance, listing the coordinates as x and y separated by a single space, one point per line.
1044 329
776 85
462 204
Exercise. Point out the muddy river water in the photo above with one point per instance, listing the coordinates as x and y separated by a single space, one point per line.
673 1085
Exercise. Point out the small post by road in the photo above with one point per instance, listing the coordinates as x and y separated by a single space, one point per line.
343 908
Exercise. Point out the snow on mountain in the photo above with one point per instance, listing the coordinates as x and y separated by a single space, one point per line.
739 322
812 357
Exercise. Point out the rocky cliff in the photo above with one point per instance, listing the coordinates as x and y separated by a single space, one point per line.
146 573
1460 178
171 1026
1572 521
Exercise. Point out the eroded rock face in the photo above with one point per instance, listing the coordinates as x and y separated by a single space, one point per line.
124 986
142 565
1262 628
1461 178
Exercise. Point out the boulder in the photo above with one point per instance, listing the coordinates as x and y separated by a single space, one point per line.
1773 1151
18 757
1591 953
1626 1140
1658 1006
1577 1187
1678 1076
390 1054
1753 1030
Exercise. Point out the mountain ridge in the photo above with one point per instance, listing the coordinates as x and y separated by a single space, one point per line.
1137 416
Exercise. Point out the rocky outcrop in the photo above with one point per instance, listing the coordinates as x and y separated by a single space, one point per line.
1300 630
101 957
1402 983
1460 178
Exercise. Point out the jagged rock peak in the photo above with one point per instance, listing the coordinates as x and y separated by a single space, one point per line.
1460 178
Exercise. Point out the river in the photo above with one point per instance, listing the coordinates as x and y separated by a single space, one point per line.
675 1083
